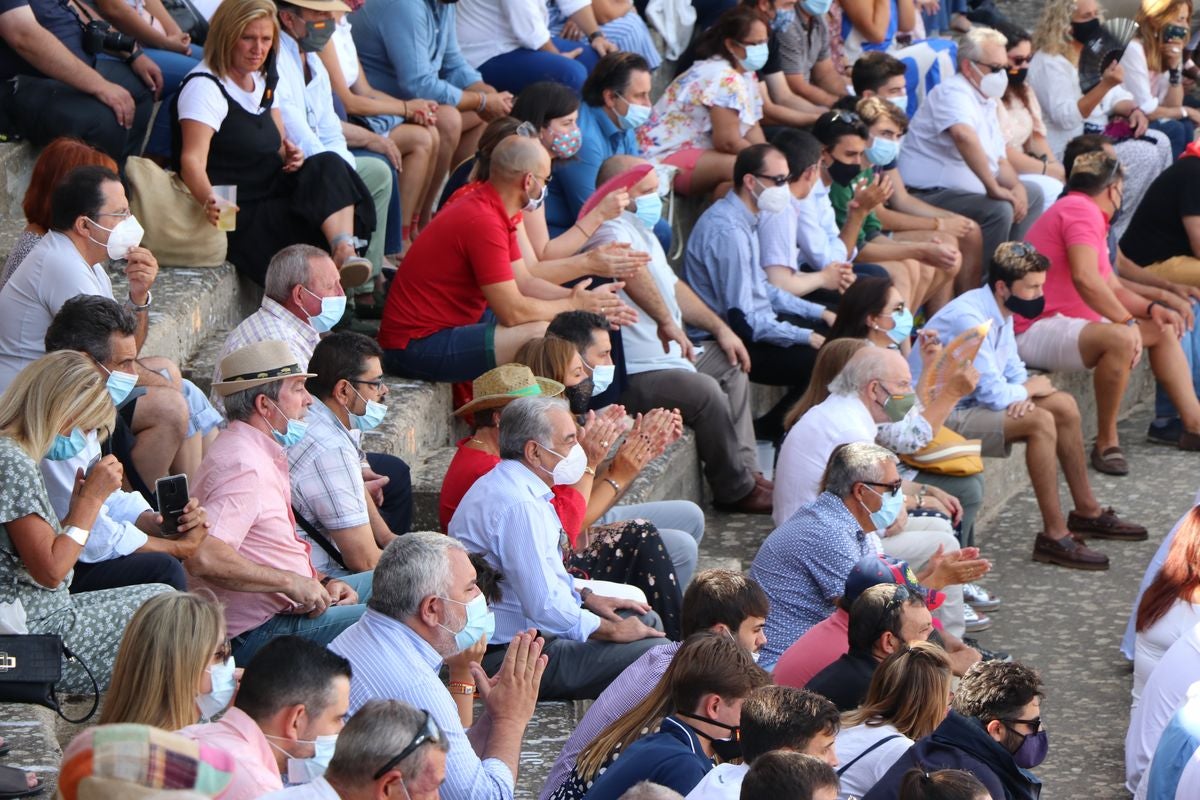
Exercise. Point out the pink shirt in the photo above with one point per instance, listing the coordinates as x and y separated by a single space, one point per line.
1073 220
820 646
255 772
243 485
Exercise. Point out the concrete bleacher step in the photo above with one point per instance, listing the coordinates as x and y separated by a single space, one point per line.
16 165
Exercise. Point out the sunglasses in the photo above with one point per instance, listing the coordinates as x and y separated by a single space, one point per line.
892 488
778 180
429 733
991 67
841 115
1020 61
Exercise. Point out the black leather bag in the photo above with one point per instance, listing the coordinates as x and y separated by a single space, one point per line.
31 665
188 18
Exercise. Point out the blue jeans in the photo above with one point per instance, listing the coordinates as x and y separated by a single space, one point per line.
174 66
453 354
514 70
1179 131
322 630
680 525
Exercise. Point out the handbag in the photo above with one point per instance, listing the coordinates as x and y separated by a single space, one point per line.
177 229
188 18
31 665
948 453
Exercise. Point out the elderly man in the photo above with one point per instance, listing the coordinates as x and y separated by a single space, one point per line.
953 155
252 560
506 516
387 745
711 389
427 609
467 262
1008 405
303 299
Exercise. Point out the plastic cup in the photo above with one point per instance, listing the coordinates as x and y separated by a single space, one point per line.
227 207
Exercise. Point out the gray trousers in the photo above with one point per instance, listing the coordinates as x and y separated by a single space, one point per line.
715 401
582 670
969 491
995 217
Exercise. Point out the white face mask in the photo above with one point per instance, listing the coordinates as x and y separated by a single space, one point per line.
773 199
602 376
124 236
224 683
992 85
569 470
534 203
307 770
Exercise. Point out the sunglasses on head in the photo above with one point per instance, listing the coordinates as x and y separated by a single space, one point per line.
429 733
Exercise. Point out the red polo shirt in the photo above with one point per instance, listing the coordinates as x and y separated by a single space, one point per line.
470 244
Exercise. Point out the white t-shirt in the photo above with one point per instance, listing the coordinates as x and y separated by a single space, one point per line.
1165 691
347 53
1153 642
868 770
201 100
723 782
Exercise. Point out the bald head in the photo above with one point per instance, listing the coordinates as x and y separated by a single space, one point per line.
614 166
872 365
518 156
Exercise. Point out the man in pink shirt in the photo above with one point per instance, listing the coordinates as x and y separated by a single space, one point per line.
252 559
1092 320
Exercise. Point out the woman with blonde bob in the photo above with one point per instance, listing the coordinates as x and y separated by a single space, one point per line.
909 697
174 667
47 412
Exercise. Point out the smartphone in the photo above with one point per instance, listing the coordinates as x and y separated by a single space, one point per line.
172 494
91 465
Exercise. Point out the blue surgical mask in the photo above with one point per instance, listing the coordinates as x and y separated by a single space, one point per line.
332 309
883 152
602 376
64 448
479 623
903 327
224 682
649 209
371 416
818 8
119 384
756 57
783 19
888 511
900 102
634 116
294 433
307 770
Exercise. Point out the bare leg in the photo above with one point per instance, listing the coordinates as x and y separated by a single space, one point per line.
1037 430
936 284
1172 371
1063 408
509 340
450 128
187 459
904 275
971 274
415 143
160 422
711 170
1108 351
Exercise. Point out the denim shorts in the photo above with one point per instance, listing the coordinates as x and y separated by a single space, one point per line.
451 355
383 123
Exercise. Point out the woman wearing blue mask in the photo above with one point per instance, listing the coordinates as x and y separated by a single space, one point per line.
872 309
47 412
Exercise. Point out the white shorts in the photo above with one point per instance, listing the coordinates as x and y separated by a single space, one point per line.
1052 344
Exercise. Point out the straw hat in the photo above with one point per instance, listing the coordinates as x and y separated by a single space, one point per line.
500 386
256 364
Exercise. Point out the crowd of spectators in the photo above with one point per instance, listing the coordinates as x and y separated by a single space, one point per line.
901 220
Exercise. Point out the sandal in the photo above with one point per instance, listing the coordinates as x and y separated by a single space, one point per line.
1110 462
13 783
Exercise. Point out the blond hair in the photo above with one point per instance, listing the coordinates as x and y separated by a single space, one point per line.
227 26
870 109
164 652
1053 33
1152 17
910 690
59 391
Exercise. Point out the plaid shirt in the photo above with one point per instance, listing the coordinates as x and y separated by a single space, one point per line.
272 322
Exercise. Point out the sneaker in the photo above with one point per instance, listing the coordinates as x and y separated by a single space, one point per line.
979 598
984 653
1167 434
975 622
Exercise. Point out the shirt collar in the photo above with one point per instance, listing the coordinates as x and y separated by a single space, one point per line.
263 442
286 317
739 204
607 127
992 309
395 630
324 413
837 506
492 197
524 477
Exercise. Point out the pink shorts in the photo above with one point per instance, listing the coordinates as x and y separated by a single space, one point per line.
685 161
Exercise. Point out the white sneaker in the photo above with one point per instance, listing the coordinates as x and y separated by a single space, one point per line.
975 622
979 597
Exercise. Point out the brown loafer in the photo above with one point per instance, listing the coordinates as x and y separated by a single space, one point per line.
1110 462
1189 441
1106 526
759 501
1067 552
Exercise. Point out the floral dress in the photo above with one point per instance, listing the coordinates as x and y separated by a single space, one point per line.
91 623
681 118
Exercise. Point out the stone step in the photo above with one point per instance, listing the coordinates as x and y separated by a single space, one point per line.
16 164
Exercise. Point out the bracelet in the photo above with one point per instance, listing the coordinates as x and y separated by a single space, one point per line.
586 235
482 103
1174 76
584 594
77 534
1129 323
1044 165
920 501
465 689
594 35
135 308
405 114
616 486
589 471
924 490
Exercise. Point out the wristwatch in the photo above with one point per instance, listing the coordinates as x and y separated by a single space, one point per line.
134 307
77 534
594 35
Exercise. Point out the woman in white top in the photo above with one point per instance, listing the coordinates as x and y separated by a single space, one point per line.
1168 608
1021 119
1068 111
1152 64
909 697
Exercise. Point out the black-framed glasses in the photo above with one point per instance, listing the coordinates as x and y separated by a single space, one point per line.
778 180
993 68
1035 723
892 488
376 384
429 733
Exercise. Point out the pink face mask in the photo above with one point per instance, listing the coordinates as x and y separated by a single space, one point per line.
565 145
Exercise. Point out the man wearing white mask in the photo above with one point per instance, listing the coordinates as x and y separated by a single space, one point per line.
506 517
284 723
953 154
425 607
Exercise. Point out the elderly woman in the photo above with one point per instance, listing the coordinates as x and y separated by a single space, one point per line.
231 135
47 412
1068 111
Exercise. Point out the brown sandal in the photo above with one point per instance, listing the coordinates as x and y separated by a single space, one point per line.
1110 462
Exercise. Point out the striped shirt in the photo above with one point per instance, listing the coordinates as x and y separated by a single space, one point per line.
391 662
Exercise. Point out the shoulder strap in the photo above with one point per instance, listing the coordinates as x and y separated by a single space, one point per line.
318 537
74 659
856 759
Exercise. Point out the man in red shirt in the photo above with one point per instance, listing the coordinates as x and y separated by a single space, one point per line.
467 263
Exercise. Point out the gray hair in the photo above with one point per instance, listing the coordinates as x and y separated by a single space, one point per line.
290 267
970 46
414 566
527 419
650 791
868 364
377 733
240 405
857 462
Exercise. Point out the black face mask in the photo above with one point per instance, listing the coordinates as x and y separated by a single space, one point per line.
1016 77
1175 33
842 173
1029 309
1084 32
726 749
579 396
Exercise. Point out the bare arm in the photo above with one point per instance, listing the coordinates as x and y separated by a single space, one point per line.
871 18
969 147
513 307
826 78
794 281
21 31
193 161
219 564
726 131
358 547
606 11
127 21
1094 290
1192 225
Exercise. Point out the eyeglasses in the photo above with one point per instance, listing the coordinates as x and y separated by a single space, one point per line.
902 596
778 180
429 733
892 488
121 214
993 68
1020 61
546 180
376 384
528 130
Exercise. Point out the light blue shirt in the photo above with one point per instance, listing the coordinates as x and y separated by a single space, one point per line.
391 662
575 178
409 49
723 266
805 234
1002 373
507 518
307 107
